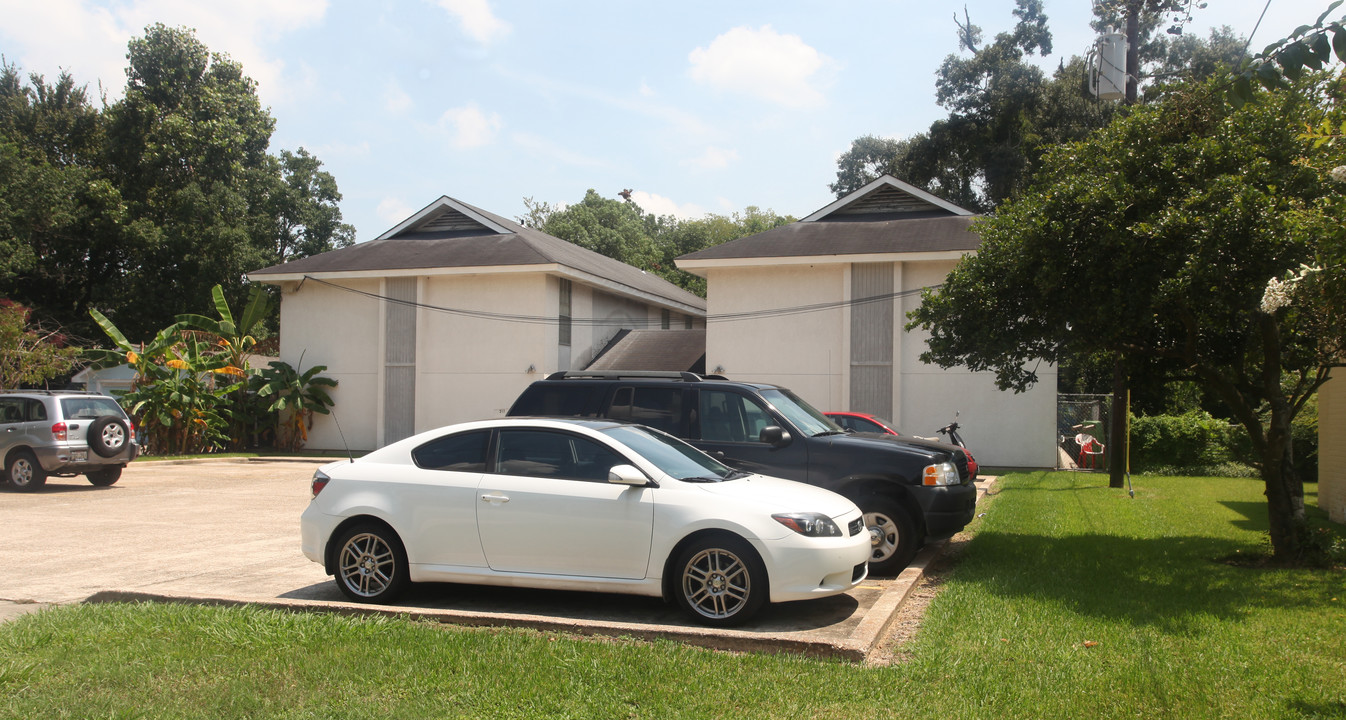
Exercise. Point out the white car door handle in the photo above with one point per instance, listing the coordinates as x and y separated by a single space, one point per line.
495 498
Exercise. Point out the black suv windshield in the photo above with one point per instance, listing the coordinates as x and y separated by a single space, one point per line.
673 456
804 416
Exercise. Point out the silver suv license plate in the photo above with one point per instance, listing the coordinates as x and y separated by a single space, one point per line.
79 455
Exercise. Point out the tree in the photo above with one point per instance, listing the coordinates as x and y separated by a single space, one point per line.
1004 112
303 209
1310 47
622 231
63 226
141 207
30 355
1154 239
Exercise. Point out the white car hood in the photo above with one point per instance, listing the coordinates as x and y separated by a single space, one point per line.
783 495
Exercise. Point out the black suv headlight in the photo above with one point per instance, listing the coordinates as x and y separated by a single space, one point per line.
809 524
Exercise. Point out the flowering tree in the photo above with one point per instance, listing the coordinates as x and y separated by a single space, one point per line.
1155 239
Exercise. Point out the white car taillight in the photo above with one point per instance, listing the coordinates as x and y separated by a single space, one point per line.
320 480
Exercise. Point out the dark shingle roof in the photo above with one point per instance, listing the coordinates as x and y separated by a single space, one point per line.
445 238
883 217
851 236
669 350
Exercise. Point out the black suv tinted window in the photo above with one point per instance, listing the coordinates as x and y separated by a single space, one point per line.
731 417
659 408
555 401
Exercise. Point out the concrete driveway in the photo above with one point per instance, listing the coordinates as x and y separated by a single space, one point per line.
228 532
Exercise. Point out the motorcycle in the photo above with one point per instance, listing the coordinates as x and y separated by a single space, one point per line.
950 431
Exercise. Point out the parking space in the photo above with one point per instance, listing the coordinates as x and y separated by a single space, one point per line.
228 531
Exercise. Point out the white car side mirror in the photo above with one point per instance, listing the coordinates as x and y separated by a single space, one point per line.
627 475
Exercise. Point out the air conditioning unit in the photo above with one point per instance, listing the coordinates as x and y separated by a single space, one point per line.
1107 67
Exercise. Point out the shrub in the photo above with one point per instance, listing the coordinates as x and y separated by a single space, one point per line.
1175 441
1195 443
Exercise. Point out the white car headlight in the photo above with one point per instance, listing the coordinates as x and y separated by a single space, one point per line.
809 524
941 474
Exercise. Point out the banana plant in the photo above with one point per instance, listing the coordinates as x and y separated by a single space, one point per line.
294 398
235 337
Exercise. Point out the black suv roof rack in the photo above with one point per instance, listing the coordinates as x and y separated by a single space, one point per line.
633 374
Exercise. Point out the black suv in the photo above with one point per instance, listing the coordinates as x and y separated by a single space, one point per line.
909 490
63 433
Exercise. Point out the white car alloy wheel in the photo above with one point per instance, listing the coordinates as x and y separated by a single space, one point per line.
722 580
371 565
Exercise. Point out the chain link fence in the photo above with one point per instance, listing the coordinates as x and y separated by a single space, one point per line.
1082 427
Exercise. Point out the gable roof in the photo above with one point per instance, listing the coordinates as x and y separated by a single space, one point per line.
449 233
886 216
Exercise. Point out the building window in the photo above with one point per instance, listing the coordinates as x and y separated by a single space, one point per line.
565 313
665 319
687 322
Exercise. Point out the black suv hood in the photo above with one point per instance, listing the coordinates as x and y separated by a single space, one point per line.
935 451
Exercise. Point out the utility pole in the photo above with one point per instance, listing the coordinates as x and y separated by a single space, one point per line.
1118 440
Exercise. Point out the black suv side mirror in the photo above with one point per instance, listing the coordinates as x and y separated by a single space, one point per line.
774 435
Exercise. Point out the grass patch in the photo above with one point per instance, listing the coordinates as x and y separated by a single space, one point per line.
1072 600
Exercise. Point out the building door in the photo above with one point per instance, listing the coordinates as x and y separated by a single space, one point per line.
872 338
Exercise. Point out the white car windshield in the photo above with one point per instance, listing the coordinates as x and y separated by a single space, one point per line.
671 455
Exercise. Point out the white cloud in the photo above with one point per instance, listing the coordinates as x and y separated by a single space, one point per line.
93 36
778 68
477 19
713 159
469 127
393 210
660 205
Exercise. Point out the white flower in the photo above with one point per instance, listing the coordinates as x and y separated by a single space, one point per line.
1277 295
1338 173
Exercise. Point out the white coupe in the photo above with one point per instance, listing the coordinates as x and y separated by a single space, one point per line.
579 505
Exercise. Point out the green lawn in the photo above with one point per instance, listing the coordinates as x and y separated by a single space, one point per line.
1072 600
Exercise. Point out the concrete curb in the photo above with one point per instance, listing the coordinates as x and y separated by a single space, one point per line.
856 648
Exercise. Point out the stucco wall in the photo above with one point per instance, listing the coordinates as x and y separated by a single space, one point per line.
467 367
1001 428
321 325
809 353
800 351
472 368
1332 446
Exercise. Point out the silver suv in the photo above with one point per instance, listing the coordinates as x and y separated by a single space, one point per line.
63 433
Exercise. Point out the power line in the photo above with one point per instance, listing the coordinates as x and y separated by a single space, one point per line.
556 320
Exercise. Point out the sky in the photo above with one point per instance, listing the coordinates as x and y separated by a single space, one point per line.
697 107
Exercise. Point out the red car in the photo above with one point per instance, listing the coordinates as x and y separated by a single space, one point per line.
864 422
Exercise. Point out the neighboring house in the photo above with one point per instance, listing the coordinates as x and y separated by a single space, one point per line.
115 379
819 306
1332 446
448 316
